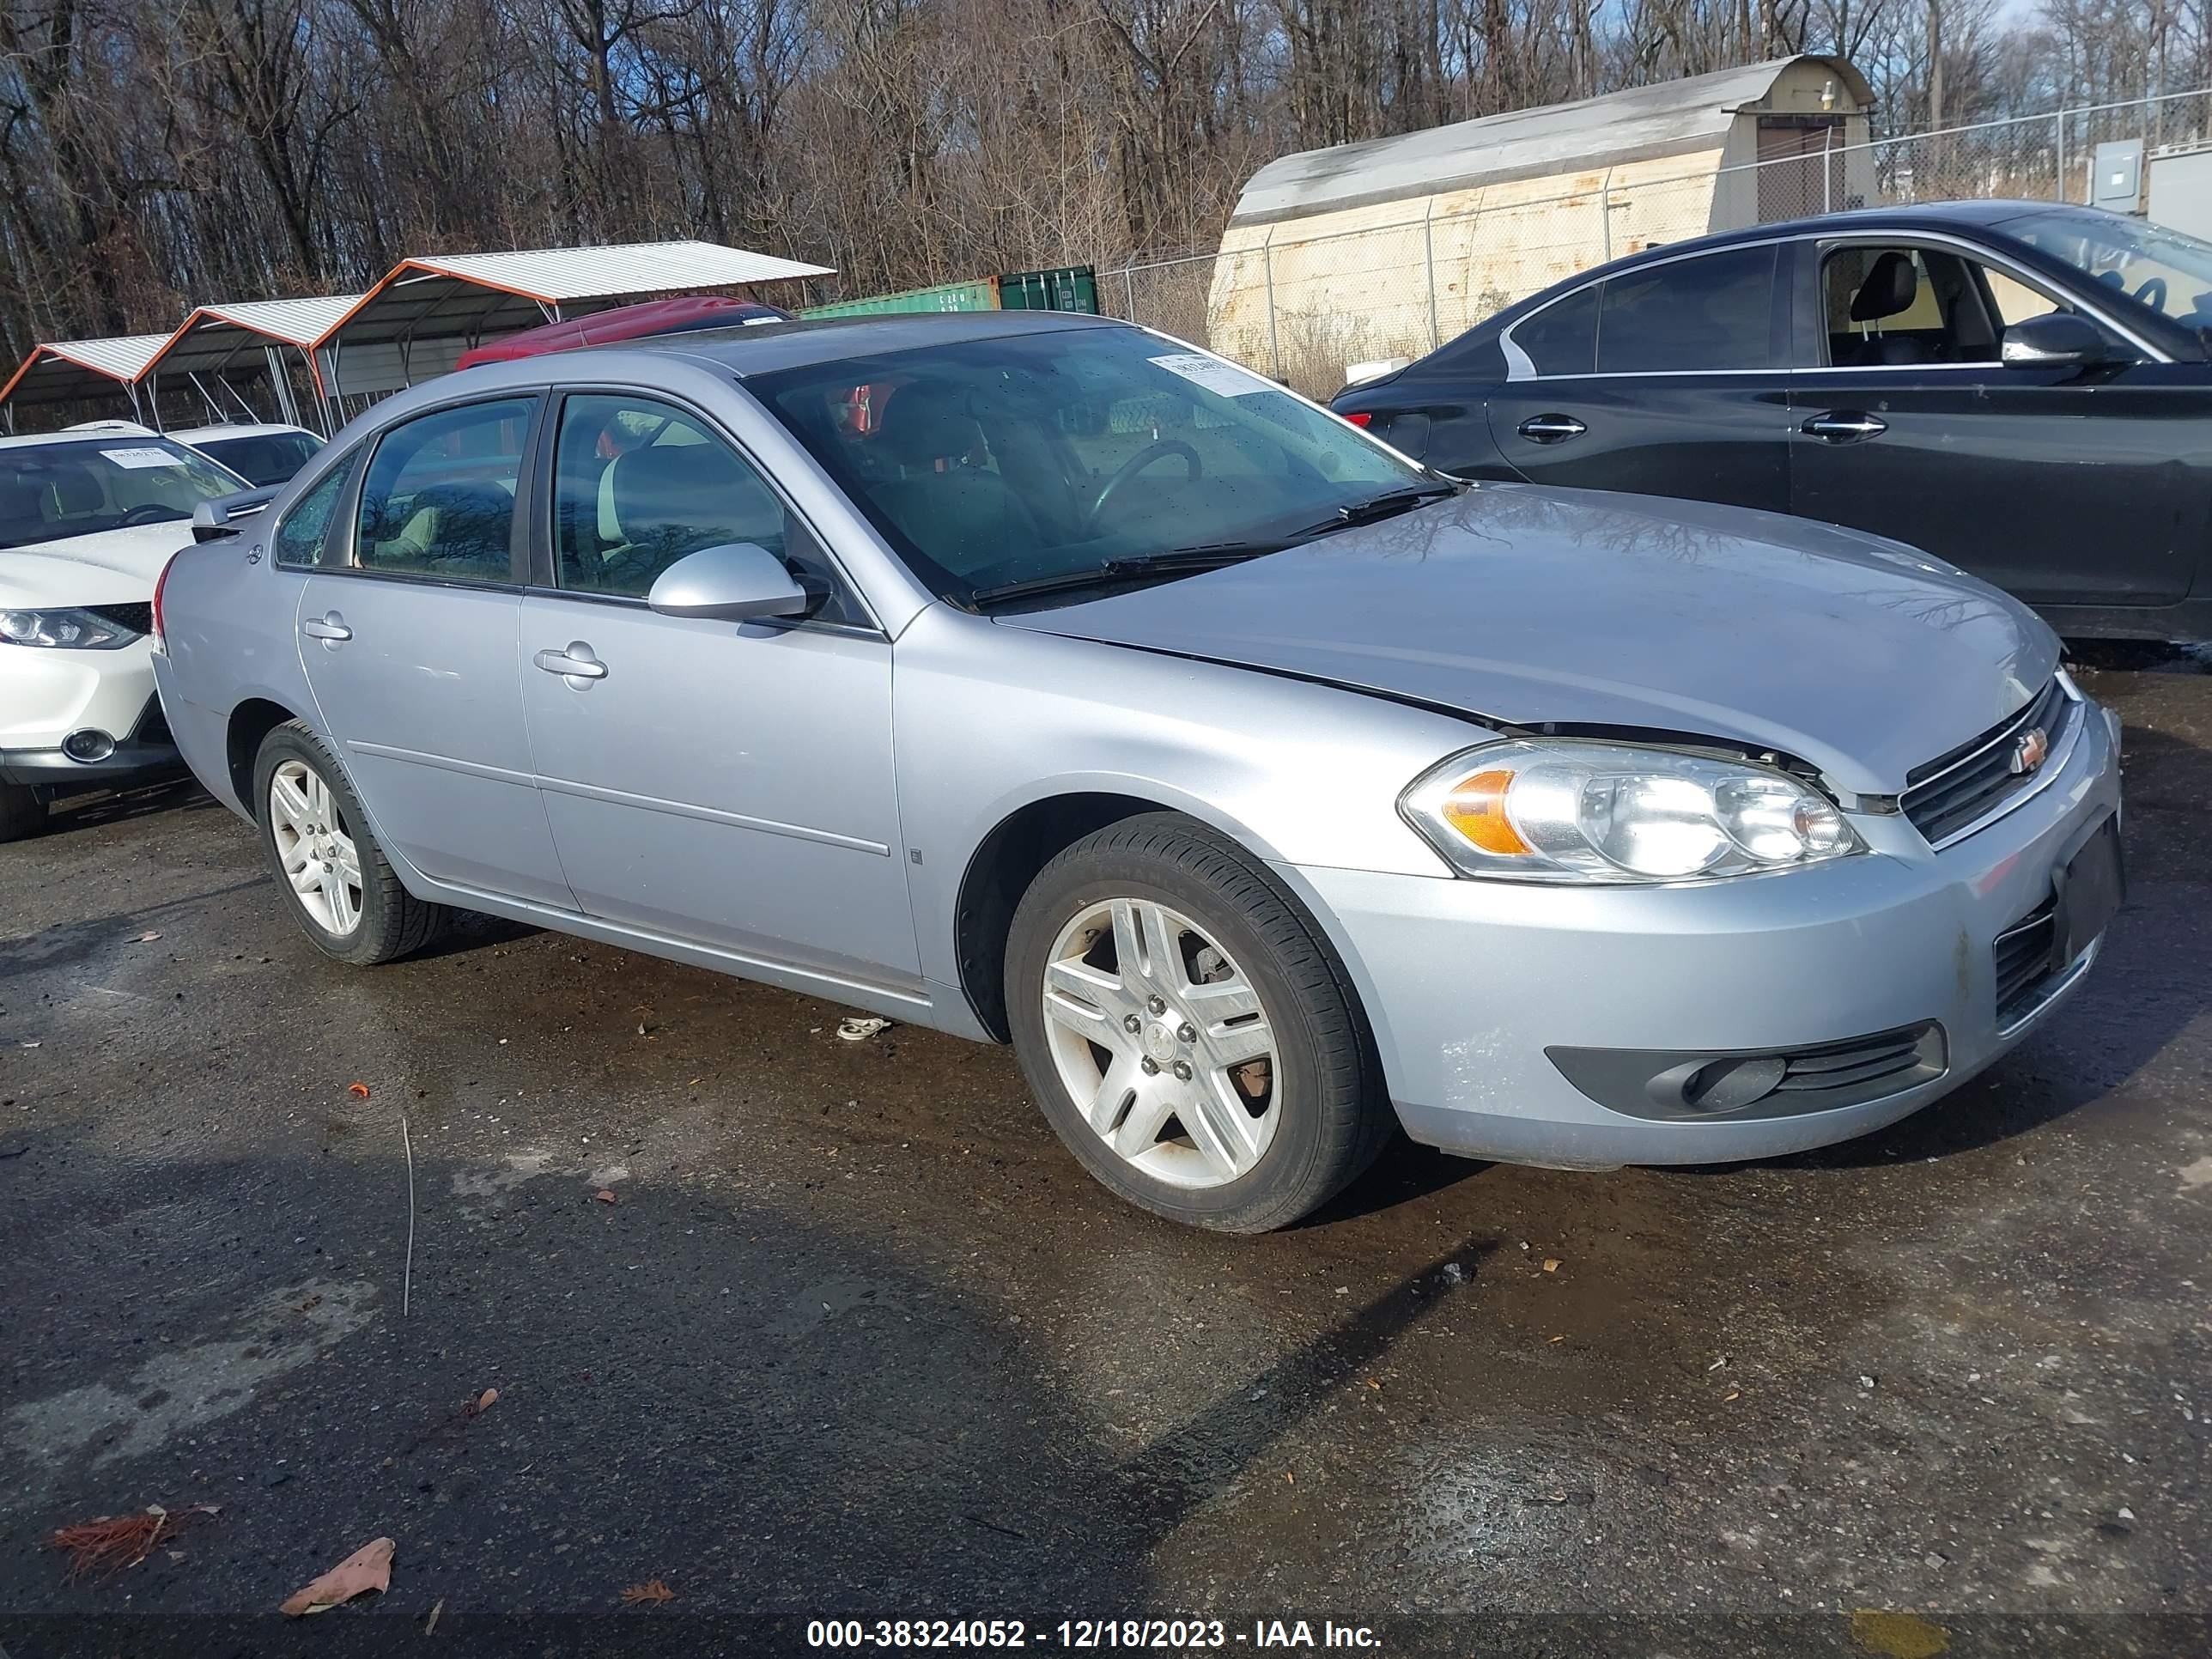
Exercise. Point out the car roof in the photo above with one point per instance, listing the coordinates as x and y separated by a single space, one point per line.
1913 216
765 348
236 430
111 438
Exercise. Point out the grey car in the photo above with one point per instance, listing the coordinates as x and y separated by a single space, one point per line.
1043 680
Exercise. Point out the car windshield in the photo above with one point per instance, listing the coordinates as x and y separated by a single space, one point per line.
2164 270
52 491
263 458
1028 458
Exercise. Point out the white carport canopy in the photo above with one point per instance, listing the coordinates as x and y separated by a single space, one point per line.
75 371
243 338
418 320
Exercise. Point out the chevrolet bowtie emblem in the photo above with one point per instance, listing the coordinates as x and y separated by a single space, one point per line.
2030 750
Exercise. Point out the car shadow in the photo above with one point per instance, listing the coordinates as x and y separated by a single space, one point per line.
808 1417
74 813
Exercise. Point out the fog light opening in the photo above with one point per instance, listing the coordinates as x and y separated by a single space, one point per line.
1725 1085
88 745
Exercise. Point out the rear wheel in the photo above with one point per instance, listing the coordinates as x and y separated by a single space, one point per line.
22 812
324 855
1190 1035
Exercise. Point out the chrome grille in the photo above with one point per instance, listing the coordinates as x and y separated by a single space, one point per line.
1946 795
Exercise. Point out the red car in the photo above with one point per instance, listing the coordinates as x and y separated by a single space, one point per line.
677 316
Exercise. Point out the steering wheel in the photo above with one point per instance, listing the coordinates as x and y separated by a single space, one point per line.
150 513
2152 293
1193 468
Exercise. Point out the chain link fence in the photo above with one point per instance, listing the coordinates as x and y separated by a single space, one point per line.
1303 310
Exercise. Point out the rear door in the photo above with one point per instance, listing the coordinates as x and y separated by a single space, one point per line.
1667 380
2062 486
409 623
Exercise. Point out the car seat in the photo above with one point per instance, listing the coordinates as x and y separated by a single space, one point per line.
963 516
1891 284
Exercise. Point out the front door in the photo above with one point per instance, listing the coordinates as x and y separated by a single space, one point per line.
2061 486
1664 381
722 782
409 626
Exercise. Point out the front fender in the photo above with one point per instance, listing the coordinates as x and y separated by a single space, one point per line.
988 721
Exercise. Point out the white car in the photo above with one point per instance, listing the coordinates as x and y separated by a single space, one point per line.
263 454
87 521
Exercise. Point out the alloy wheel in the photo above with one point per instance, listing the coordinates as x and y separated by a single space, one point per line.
315 847
1161 1042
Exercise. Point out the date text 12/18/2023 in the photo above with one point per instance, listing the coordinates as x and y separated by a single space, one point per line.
1166 1635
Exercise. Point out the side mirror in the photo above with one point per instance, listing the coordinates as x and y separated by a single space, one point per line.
737 581
213 521
2058 339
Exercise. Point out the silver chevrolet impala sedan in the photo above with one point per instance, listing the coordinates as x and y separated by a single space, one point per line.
1043 680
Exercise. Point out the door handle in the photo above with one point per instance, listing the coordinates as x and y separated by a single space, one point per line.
329 628
1844 426
576 663
1551 428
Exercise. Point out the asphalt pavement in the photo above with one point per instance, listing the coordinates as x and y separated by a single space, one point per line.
805 1328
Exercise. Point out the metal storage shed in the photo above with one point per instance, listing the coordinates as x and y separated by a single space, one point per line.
1387 248
418 320
78 371
218 344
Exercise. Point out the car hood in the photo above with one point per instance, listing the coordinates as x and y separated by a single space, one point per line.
1572 610
115 567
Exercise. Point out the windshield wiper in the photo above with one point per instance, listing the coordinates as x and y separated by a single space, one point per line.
1387 505
1176 561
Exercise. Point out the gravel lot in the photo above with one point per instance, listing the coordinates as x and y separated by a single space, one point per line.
857 1338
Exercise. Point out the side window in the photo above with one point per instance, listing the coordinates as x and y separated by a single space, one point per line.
2016 301
1715 311
1562 337
439 499
301 534
638 484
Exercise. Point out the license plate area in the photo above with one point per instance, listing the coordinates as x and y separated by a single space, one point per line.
2091 886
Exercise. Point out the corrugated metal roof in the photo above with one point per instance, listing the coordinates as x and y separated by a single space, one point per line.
119 357
595 273
213 337
295 322
1690 114
70 371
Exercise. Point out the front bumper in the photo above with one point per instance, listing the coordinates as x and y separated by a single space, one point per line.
46 693
1468 984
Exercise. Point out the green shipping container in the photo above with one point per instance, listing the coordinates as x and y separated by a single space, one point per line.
981 295
1069 288
1066 287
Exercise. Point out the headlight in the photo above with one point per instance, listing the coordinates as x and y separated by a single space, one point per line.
77 630
1608 813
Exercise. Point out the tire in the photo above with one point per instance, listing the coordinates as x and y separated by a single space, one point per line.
22 812
1212 936
385 921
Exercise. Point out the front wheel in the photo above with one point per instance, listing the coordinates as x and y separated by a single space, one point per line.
1190 1035
342 889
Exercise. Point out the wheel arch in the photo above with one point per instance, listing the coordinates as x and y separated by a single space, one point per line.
1029 836
999 871
250 722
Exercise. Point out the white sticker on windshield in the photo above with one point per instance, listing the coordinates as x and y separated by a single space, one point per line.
1226 378
143 457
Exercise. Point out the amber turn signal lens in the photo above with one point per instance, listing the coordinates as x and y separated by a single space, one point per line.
1476 808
